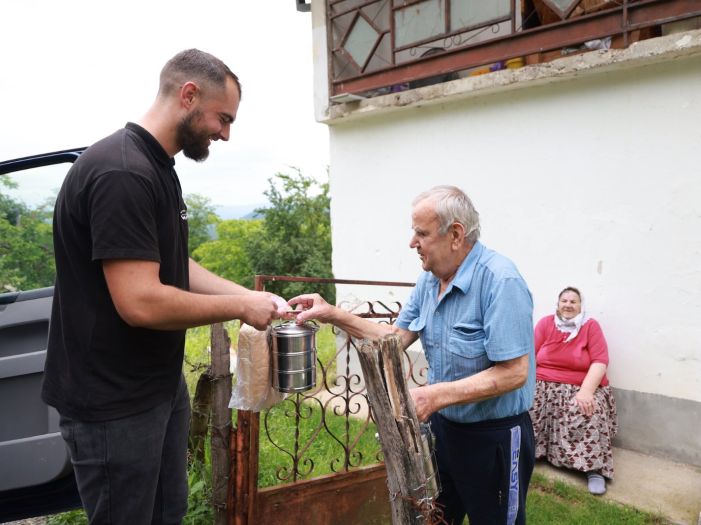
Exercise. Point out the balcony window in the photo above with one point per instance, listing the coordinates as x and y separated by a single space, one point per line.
380 46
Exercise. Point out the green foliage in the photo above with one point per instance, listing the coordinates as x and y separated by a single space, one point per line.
293 239
296 235
74 517
200 216
228 255
26 246
199 498
10 209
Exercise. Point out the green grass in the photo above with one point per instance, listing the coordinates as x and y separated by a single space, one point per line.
322 455
557 502
325 354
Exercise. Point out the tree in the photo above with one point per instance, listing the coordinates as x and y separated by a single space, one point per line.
296 235
200 217
26 245
228 256
10 209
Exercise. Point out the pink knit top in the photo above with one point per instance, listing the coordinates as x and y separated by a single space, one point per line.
562 362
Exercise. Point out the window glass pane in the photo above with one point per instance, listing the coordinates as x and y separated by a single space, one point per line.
468 13
361 39
26 247
419 21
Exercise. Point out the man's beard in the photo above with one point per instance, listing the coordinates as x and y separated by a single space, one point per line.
193 143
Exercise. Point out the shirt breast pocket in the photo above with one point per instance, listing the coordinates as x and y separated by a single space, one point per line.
466 352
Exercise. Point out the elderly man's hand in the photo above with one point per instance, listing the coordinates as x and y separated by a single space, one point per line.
425 401
313 307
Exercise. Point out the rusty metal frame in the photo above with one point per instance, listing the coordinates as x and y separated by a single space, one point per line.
247 504
619 20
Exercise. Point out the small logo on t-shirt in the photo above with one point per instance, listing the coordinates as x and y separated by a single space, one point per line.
183 214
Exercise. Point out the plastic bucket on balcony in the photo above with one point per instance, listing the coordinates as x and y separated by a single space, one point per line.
294 356
514 63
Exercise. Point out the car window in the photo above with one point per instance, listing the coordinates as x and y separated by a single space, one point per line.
26 206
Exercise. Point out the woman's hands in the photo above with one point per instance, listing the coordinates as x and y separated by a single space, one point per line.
585 397
585 401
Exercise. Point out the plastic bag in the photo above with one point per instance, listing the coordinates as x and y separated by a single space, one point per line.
253 389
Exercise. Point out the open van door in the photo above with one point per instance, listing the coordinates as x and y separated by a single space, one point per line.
36 477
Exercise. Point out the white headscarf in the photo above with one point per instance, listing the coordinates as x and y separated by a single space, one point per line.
573 325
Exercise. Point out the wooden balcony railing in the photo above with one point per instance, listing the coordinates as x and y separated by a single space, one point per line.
379 46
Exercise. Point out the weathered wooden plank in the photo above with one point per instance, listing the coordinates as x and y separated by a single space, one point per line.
400 434
397 425
221 420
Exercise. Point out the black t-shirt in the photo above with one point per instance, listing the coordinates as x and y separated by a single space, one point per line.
120 200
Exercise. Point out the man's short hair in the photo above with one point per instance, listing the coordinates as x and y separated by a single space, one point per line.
453 205
198 66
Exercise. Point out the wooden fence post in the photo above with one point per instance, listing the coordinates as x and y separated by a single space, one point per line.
399 431
201 411
221 420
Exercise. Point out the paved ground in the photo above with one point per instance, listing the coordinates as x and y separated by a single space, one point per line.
647 483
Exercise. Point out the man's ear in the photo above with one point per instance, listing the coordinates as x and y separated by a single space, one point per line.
457 233
188 94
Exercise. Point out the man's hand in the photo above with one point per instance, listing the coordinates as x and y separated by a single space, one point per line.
280 304
424 398
260 308
314 307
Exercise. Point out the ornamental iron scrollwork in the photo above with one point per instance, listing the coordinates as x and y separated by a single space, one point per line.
336 407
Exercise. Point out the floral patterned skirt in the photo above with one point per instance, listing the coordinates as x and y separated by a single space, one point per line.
565 437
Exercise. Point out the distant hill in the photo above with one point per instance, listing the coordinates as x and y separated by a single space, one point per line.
252 215
245 211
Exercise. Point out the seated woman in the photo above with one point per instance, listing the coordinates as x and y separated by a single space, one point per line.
574 412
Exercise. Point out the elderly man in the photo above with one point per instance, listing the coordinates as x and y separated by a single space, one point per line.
473 312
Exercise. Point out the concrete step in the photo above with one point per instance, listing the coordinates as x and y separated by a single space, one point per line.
648 483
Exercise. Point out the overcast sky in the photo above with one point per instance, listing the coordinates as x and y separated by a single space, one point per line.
73 72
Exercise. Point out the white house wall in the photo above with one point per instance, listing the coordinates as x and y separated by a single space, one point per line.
593 182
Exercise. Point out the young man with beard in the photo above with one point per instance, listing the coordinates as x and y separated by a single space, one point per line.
125 293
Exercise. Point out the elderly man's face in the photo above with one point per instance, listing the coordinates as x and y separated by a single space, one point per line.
434 249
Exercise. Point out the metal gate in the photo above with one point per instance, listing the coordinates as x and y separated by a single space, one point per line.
351 487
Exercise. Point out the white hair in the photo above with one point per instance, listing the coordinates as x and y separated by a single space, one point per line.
453 205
